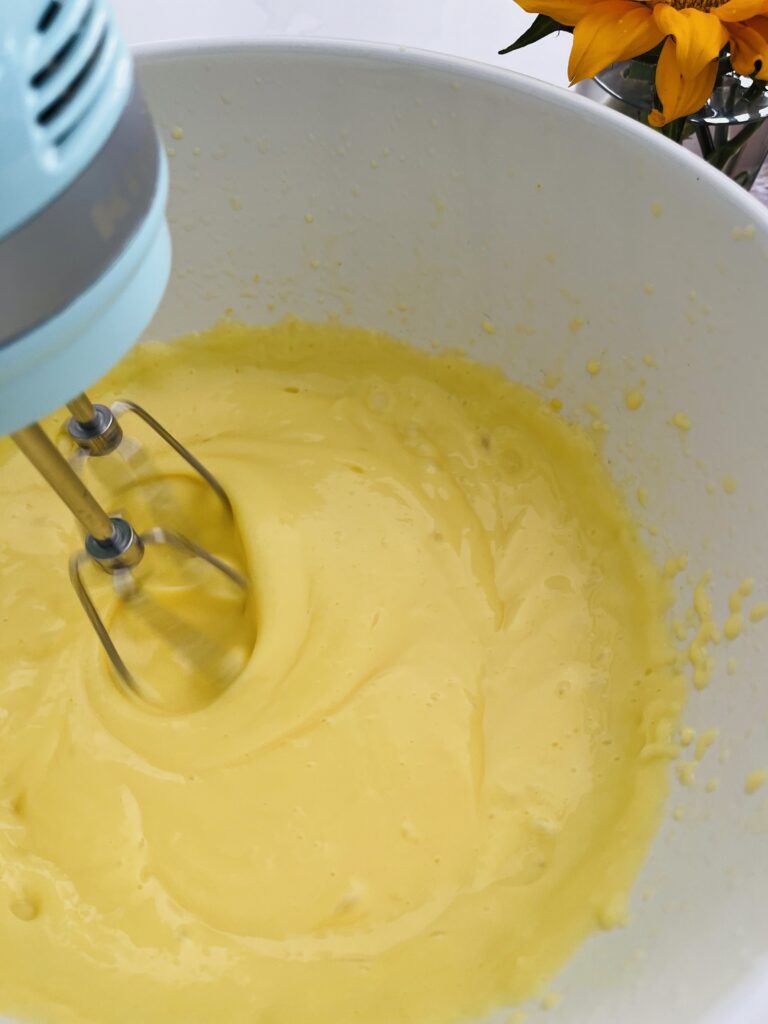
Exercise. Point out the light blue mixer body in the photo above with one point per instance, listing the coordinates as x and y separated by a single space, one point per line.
84 245
84 259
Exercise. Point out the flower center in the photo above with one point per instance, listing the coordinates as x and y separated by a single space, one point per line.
698 5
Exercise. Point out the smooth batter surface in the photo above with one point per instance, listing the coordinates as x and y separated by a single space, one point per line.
443 762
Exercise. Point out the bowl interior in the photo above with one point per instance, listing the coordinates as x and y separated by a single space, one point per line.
440 200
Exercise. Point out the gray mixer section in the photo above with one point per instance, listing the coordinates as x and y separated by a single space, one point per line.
83 231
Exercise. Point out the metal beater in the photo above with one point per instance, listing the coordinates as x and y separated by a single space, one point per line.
111 542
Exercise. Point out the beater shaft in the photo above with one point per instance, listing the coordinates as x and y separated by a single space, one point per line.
35 444
82 408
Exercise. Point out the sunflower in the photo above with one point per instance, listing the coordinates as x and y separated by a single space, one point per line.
693 34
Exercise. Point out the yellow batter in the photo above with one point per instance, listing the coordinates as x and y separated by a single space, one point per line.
437 772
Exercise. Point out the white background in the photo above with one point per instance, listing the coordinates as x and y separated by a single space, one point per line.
469 28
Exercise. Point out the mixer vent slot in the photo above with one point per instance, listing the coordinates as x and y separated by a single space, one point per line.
76 52
63 136
59 58
61 101
49 15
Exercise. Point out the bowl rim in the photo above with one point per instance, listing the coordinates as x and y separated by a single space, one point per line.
555 96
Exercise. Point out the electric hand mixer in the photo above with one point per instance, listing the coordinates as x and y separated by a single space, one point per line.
84 260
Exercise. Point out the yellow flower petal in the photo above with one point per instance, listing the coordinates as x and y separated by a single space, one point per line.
613 30
567 12
741 10
749 47
699 36
680 94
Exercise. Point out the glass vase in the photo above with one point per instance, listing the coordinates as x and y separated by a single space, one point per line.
730 131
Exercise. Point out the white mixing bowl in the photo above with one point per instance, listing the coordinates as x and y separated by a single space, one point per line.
422 195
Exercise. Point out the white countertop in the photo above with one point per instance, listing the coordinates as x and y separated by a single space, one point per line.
469 28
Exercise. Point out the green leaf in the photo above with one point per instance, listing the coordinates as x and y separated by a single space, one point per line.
722 154
542 27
